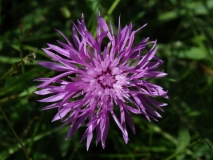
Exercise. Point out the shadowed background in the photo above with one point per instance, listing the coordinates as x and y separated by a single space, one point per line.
184 31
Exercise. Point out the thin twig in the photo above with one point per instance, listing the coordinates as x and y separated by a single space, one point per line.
18 139
14 68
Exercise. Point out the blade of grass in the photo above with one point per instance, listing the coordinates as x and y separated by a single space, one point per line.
111 9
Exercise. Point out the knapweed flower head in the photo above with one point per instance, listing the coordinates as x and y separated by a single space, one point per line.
95 80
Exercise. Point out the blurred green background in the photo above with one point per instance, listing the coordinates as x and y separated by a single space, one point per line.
184 30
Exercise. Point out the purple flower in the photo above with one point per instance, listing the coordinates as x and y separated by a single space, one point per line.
95 82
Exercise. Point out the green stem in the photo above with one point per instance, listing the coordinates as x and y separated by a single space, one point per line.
111 9
18 139
4 76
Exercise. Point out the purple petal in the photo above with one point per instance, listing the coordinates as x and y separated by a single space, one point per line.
54 66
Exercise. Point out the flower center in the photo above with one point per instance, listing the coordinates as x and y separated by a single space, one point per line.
106 79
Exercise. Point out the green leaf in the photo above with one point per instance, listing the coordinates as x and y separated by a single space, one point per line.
16 47
65 12
28 91
183 142
196 53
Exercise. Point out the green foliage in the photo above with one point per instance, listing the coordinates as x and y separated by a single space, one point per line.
184 30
